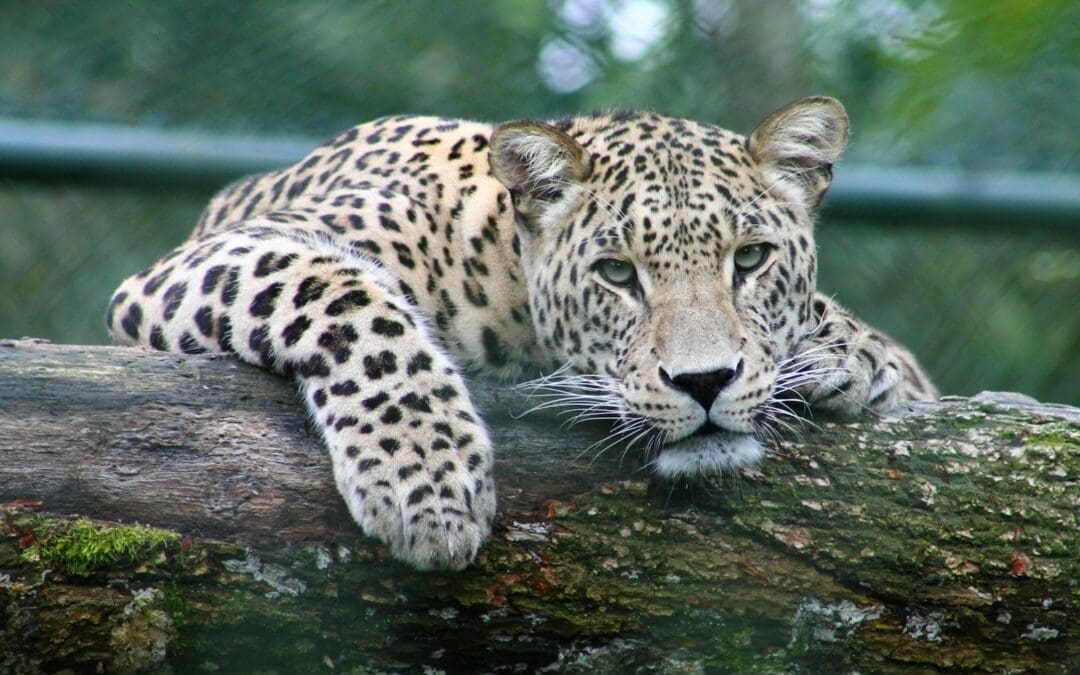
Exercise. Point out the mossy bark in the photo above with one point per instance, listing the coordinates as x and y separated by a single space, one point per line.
946 537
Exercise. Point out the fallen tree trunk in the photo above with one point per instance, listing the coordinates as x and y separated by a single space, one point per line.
946 536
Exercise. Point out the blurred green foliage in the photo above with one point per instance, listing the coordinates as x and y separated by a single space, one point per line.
964 83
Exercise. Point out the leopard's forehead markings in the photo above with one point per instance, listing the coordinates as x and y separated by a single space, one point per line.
666 186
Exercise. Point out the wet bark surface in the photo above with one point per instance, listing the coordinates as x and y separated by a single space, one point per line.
943 537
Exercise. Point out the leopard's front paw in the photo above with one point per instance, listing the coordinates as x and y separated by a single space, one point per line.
852 378
429 496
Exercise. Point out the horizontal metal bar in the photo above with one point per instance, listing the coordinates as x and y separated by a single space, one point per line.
118 154
939 195
60 151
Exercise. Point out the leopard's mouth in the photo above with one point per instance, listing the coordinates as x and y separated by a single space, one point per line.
710 450
709 428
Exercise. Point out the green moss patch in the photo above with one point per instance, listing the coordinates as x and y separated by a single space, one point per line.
81 547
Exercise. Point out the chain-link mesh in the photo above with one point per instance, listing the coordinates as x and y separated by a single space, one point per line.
983 309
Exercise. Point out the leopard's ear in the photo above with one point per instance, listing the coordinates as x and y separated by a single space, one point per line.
536 162
797 145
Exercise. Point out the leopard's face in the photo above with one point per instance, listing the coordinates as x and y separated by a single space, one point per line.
671 277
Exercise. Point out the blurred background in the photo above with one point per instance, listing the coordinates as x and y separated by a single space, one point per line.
986 293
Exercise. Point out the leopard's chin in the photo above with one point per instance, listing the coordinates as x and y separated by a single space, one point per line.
707 454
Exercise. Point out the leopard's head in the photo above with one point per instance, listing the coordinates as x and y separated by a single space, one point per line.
670 269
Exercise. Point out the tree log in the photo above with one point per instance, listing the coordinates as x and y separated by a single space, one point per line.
945 536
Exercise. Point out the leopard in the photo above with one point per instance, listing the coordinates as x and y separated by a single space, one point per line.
653 272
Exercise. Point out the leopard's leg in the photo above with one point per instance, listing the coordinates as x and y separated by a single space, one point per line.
411 457
855 368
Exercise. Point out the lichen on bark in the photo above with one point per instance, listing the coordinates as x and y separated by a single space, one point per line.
946 537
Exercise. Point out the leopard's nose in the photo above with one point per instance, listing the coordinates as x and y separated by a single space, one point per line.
703 387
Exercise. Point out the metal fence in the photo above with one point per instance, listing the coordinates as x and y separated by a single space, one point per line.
122 118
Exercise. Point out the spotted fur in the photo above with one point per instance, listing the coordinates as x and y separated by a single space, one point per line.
660 271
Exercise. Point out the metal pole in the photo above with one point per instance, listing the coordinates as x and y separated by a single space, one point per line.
57 151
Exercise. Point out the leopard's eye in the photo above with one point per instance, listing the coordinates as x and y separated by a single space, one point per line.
616 272
748 258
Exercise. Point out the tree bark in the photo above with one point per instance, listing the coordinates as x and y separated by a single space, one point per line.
945 536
